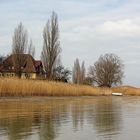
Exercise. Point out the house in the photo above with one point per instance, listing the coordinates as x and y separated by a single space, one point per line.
30 68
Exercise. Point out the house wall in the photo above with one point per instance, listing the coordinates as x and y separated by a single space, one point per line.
23 75
7 74
28 76
33 75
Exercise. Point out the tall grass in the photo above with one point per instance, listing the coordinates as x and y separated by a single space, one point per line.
20 88
127 90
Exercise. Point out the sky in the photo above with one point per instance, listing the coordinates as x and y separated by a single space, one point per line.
88 29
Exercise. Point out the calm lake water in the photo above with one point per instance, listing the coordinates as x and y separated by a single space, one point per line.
83 118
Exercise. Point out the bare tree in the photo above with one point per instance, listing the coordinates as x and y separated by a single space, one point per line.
19 45
78 72
51 46
31 49
107 71
83 73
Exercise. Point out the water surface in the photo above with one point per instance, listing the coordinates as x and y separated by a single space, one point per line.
83 118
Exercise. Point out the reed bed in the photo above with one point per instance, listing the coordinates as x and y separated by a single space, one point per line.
127 90
23 87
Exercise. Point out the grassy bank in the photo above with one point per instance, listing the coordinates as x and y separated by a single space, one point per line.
127 90
20 88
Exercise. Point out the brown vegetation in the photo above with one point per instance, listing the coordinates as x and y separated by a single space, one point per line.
21 88
51 45
127 90
107 71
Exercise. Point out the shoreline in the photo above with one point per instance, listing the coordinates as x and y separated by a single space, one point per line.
62 98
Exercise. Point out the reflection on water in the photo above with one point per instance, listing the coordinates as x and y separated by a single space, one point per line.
108 118
68 118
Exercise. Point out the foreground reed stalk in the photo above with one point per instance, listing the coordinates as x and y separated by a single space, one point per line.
20 88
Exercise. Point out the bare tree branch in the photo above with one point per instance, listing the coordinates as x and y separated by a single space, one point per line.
107 71
19 46
78 76
51 46
31 49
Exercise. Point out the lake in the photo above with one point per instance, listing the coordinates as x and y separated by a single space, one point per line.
80 118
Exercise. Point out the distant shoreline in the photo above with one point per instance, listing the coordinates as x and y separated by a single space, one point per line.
19 88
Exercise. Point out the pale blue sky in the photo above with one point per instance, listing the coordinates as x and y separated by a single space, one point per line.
88 28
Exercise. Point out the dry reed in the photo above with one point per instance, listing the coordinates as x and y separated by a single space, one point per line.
23 87
127 90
